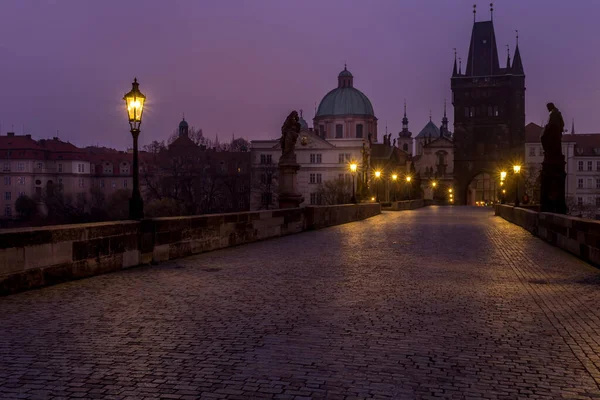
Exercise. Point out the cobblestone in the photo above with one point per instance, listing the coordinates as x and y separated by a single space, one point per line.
433 303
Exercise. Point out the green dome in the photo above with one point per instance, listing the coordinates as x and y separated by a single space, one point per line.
303 124
345 101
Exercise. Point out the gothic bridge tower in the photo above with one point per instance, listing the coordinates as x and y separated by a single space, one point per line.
489 113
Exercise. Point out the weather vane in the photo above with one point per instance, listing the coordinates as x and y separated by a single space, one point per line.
474 11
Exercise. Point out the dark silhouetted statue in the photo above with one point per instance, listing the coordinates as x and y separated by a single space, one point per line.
288 167
552 190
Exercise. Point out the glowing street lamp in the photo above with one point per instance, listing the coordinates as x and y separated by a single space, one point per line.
134 101
502 175
378 175
517 170
395 179
353 168
408 179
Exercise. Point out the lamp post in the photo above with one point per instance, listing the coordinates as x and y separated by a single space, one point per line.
516 169
394 179
353 168
433 186
134 101
377 176
408 179
502 178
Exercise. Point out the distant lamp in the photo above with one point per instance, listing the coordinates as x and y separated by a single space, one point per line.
517 168
353 167
502 175
377 174
449 190
408 178
434 184
394 177
372 198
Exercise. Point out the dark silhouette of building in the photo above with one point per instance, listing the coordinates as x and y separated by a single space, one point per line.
489 112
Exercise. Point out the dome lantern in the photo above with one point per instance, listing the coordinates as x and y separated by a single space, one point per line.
345 79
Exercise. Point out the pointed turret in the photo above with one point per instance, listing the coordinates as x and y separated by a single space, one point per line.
517 66
507 59
483 53
573 126
454 70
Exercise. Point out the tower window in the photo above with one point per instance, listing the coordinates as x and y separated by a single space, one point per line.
359 131
496 113
322 130
339 131
405 147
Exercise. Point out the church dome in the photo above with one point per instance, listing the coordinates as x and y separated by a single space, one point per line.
183 123
345 99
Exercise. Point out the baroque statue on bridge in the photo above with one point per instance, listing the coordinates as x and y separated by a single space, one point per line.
552 188
289 135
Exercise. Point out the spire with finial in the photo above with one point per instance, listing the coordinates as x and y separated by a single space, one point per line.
491 11
444 127
517 66
507 58
573 126
474 12
454 70
430 115
459 66
405 122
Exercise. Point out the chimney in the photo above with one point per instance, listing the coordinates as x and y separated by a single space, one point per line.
28 136
10 134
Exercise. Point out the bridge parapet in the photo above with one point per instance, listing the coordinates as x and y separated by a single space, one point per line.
579 236
35 257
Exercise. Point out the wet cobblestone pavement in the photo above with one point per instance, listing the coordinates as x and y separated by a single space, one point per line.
433 303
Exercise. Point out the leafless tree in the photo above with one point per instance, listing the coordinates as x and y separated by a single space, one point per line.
265 186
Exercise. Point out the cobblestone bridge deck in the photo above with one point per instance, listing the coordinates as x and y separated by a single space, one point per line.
432 303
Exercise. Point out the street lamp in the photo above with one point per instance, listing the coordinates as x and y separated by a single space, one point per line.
433 185
134 101
353 168
378 175
516 169
408 179
394 178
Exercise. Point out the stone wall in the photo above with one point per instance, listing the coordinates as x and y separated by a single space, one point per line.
576 235
36 257
405 205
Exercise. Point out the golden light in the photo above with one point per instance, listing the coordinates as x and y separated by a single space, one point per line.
501 183
451 195
408 178
449 190
502 175
503 190
517 168
134 100
434 184
372 198
353 167
394 177
377 174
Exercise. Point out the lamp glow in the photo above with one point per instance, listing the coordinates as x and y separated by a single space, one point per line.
353 167
502 175
394 177
377 174
408 178
517 168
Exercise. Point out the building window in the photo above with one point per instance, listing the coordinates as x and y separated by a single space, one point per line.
579 201
313 178
339 131
40 165
315 158
342 158
101 183
322 130
20 180
7 211
20 167
532 151
81 182
266 159
589 165
496 112
579 165
7 196
7 181
359 130
59 167
597 183
6 167
125 183
580 183
405 147
60 181
313 198
318 178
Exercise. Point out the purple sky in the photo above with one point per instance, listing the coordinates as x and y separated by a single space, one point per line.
241 66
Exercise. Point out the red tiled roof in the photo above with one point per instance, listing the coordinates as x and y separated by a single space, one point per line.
585 143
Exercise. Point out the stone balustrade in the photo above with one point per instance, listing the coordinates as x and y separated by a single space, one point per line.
405 205
579 236
35 257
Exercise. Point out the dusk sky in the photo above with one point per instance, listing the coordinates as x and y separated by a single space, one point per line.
239 67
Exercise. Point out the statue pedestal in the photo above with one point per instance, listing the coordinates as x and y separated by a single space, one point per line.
552 188
288 194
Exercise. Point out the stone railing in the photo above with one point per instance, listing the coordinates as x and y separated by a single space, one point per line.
35 257
576 235
405 205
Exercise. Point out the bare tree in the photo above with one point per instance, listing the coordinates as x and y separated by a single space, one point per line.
265 186
335 191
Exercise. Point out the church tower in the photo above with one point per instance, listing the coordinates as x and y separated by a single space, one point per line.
489 111
405 141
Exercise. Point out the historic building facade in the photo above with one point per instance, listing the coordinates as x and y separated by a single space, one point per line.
489 116
344 132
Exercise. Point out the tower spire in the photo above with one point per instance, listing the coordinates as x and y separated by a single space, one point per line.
474 12
454 70
459 66
507 57
405 120
573 126
430 115
444 127
517 67
491 11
